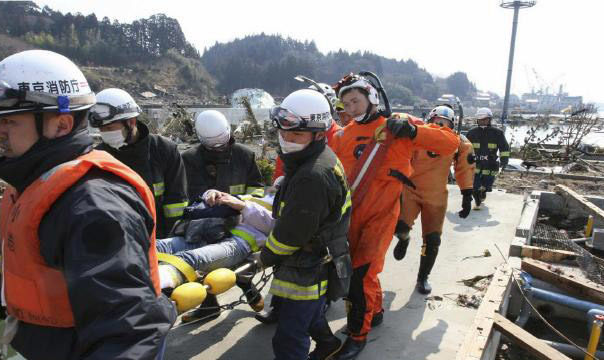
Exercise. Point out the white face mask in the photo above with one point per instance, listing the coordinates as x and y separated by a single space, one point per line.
114 138
360 118
290 147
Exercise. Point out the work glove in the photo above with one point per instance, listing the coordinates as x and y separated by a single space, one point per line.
466 203
401 128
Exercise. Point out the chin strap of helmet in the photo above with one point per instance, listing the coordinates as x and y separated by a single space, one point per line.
386 111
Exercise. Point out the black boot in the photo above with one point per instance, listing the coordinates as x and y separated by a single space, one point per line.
208 310
402 233
327 343
423 286
351 349
427 260
477 194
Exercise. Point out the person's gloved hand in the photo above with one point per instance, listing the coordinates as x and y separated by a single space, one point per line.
466 203
401 128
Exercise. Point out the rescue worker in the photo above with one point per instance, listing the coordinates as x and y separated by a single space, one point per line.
221 164
332 127
487 141
79 265
155 158
429 195
374 218
312 213
218 162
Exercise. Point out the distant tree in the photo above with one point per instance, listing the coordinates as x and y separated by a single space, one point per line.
459 85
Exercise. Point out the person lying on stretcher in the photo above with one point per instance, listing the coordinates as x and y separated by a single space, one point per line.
219 231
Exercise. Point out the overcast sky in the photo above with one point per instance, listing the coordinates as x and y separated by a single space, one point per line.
563 41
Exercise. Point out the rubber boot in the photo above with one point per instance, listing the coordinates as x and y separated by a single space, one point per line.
402 233
207 311
351 349
327 343
477 194
427 260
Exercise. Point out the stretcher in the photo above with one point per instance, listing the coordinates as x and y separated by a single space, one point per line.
192 293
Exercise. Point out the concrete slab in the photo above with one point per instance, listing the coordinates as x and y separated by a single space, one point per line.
413 328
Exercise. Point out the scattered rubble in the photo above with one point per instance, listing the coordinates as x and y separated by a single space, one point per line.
476 282
469 301
485 253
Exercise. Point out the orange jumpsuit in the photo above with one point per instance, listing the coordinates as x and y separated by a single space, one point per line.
430 173
328 134
374 219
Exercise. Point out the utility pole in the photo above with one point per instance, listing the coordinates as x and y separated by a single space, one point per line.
516 5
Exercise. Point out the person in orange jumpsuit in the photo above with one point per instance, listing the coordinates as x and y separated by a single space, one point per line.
429 196
374 217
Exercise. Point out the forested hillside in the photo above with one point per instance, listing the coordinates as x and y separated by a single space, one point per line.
154 55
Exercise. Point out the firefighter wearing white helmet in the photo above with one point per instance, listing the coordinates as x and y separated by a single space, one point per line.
221 164
91 213
155 158
487 142
213 129
312 208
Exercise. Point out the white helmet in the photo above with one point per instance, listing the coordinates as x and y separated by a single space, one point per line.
484 113
213 129
362 83
302 110
112 105
42 80
444 112
329 93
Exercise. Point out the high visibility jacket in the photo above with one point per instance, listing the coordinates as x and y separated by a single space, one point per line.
486 142
430 171
279 164
349 143
312 208
233 171
157 160
35 292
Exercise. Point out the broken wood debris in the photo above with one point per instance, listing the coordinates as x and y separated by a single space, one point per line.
555 276
542 254
575 199
526 340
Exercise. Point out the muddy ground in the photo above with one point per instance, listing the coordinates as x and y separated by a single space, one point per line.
518 183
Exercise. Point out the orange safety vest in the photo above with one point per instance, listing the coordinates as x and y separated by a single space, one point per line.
34 292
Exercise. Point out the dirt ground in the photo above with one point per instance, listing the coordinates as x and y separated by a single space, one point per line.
518 183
